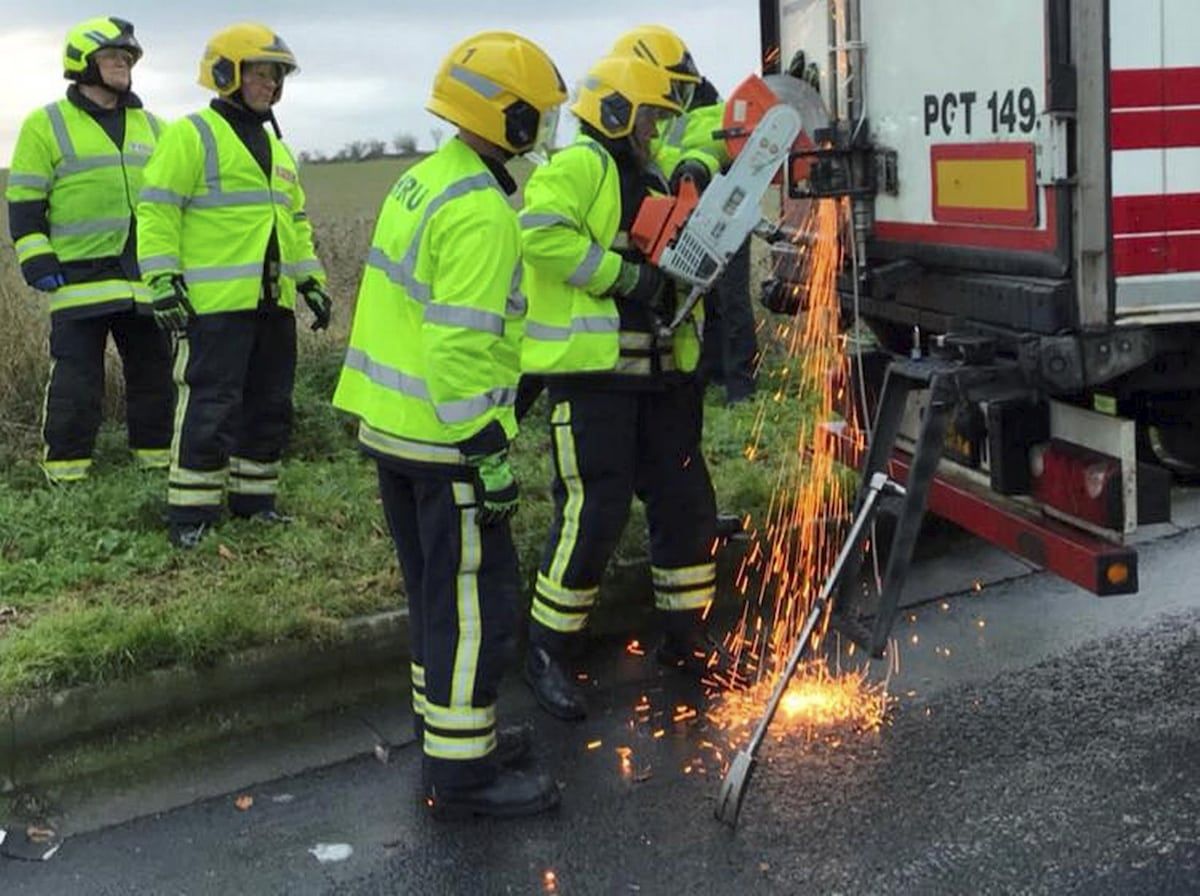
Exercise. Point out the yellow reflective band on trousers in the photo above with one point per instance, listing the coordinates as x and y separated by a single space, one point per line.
417 674
185 487
470 625
66 470
251 477
562 609
684 587
567 459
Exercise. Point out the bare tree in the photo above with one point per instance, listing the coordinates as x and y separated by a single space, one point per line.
376 149
404 144
437 134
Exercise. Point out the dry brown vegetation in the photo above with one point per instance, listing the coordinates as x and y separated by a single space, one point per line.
343 201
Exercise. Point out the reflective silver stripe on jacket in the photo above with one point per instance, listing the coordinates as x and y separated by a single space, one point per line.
403 272
414 387
223 272
216 197
82 228
549 333
467 318
62 136
543 219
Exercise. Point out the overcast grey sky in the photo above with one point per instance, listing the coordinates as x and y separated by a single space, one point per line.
365 65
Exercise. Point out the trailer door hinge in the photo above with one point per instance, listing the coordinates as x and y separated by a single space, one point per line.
1053 160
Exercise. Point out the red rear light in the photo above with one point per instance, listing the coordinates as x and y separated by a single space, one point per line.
1079 482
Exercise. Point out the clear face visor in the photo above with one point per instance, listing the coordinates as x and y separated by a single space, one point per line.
539 153
682 92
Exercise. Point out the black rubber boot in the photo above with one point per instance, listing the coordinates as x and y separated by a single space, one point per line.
514 743
510 794
553 688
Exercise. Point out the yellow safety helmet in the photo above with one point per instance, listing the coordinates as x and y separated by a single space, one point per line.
500 86
230 48
617 88
661 46
87 37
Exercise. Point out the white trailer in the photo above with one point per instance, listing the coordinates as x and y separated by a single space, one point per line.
1026 174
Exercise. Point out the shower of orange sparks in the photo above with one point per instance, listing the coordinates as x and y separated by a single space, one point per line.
796 547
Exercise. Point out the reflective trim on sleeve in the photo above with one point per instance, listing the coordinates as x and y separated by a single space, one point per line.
29 181
153 264
298 269
32 244
588 267
162 196
543 219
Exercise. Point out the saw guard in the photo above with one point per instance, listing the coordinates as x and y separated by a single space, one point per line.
660 218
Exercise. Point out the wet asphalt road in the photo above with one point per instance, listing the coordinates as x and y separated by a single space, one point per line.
1056 749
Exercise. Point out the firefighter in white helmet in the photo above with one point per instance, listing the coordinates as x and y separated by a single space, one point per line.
226 248
431 373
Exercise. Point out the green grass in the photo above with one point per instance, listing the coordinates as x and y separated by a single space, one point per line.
95 593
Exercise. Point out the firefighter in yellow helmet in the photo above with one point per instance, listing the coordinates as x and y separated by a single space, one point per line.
688 148
226 247
624 398
72 185
431 374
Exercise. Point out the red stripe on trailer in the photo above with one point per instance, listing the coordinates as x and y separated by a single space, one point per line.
1140 255
1156 213
1162 253
1133 88
1073 554
1183 252
1155 129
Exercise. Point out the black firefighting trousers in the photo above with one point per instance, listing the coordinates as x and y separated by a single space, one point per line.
234 372
729 354
462 585
608 446
75 390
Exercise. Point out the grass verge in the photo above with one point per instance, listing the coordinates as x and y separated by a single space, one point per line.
90 591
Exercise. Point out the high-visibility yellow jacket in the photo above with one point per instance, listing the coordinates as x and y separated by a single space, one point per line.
690 137
208 210
570 240
432 365
65 159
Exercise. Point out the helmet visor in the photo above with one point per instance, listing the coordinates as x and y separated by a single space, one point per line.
539 153
682 92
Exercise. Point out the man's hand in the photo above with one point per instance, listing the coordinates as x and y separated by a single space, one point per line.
496 487
172 310
49 282
639 282
318 301
691 170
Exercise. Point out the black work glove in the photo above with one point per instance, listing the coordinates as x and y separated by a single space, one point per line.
318 301
172 310
497 487
693 171
639 282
